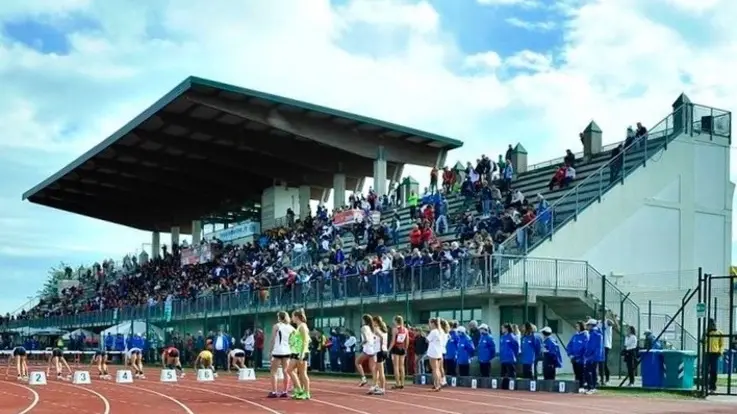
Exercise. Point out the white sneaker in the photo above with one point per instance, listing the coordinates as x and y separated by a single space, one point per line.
590 392
582 390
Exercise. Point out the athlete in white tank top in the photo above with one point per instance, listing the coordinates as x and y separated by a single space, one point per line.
281 342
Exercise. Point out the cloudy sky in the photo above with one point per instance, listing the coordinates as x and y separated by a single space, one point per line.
488 72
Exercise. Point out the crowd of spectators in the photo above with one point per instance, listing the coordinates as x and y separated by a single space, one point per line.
439 241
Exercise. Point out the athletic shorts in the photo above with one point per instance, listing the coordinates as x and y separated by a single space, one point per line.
249 354
56 352
20 351
398 351
100 353
280 356
380 357
297 358
240 354
173 353
139 353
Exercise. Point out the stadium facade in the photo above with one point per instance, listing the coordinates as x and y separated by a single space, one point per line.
630 225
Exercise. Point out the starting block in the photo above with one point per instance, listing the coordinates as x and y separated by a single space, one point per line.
81 377
510 384
205 375
168 375
246 374
37 378
124 377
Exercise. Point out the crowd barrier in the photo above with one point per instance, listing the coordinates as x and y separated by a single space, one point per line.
509 384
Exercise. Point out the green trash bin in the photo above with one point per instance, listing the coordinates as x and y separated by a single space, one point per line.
679 369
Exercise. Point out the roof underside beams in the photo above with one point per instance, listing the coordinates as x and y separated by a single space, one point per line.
356 141
220 142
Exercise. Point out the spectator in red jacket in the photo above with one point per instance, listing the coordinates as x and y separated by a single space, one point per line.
429 214
415 237
449 179
558 177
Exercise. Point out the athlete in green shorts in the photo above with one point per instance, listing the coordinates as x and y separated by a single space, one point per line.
299 347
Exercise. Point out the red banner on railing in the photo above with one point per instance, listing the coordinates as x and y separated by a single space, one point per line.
348 217
197 254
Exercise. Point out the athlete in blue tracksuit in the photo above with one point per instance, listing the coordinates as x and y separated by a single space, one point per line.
593 355
531 348
464 352
575 350
508 351
451 349
486 350
552 360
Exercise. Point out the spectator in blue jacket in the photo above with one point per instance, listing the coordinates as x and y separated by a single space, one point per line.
486 350
552 359
508 351
651 342
593 355
464 352
531 349
451 349
575 350
335 350
109 342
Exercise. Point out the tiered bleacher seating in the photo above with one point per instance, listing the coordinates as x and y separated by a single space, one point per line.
532 183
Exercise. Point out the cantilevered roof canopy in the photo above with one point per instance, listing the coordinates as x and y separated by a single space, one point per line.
206 145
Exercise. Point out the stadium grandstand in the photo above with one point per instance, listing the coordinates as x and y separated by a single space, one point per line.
618 232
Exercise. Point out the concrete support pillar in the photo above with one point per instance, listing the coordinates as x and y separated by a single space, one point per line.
155 245
196 232
174 236
304 201
380 172
338 190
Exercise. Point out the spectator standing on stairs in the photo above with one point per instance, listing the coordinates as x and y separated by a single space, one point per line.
412 201
508 154
615 164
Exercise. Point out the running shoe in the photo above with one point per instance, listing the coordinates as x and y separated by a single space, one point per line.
363 382
283 395
273 395
304 396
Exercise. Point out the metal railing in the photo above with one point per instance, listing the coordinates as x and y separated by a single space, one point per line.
692 118
448 280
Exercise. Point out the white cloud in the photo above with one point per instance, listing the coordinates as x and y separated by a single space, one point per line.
527 59
518 3
55 107
543 26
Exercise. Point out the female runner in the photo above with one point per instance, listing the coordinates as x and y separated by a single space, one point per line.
170 360
20 356
56 358
134 357
204 361
280 354
368 351
435 351
100 360
380 335
299 344
445 331
398 350
236 359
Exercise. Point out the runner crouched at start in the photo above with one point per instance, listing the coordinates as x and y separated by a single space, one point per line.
170 360
100 360
204 361
134 357
236 359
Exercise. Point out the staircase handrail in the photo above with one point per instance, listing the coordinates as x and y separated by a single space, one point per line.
652 134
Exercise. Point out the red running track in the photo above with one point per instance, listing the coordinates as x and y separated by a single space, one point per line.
329 396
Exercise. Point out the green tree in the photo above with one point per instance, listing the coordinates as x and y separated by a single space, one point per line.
56 273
